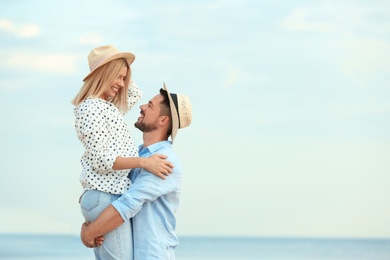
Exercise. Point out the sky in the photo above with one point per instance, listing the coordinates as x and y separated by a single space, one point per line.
290 133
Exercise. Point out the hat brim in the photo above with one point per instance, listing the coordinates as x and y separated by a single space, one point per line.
174 115
129 57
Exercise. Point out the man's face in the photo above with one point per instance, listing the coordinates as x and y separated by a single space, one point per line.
149 115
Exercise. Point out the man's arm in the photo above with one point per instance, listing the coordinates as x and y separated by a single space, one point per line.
108 220
146 187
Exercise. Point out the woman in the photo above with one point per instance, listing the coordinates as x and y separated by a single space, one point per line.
109 150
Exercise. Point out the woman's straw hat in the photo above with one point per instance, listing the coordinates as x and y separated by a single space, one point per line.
104 54
181 111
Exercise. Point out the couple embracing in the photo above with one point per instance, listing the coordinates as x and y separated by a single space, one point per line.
130 195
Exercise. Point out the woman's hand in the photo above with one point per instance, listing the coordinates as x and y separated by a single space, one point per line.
157 165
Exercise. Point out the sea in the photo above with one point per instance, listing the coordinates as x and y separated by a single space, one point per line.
61 247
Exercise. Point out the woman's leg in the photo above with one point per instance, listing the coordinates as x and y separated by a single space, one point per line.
118 243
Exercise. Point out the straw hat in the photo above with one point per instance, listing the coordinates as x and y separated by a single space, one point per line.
104 54
181 111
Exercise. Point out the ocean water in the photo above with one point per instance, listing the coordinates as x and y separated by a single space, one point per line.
60 247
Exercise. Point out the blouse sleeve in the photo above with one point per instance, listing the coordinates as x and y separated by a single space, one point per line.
134 95
96 133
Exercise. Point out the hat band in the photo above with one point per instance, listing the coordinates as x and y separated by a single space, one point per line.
174 99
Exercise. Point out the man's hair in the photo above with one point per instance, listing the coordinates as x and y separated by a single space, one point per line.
101 79
165 110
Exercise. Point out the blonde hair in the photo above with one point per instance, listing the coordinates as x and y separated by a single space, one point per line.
101 79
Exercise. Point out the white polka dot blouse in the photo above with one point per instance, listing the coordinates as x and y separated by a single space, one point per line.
104 134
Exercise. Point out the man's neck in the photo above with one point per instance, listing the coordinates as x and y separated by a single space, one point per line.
150 138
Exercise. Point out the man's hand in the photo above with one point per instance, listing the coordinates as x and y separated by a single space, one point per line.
92 233
99 241
88 241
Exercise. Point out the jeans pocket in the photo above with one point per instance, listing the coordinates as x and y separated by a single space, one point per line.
90 200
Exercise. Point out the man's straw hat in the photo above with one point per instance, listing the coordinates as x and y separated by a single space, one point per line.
181 111
104 54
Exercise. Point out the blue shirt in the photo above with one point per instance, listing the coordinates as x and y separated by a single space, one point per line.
152 202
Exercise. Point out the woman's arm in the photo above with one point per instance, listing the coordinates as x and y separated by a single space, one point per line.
155 164
133 96
95 130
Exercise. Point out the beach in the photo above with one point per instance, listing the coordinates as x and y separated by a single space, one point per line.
61 247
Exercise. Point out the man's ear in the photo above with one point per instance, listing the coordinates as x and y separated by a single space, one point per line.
163 120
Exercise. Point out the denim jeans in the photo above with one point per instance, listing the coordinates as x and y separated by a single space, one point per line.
118 244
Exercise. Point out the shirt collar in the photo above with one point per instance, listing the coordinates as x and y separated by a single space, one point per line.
154 147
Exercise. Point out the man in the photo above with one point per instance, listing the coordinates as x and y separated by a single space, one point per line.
151 201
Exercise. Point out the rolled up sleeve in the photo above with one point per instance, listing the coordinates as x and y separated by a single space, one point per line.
146 187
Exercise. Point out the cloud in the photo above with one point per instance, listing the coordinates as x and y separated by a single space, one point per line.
41 62
20 31
91 38
339 18
243 77
365 58
359 35
299 21
188 20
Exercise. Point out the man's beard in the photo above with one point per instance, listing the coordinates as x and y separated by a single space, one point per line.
143 127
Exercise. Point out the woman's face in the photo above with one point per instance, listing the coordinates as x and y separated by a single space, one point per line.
116 85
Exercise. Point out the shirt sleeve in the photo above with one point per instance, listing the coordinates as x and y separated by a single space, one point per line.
95 131
134 95
145 188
